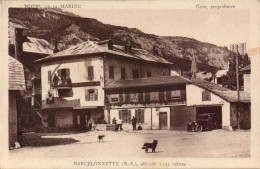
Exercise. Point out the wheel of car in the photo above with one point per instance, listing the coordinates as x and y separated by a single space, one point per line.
199 128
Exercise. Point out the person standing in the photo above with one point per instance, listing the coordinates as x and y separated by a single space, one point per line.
120 123
134 120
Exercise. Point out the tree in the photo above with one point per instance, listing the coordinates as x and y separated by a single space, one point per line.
229 80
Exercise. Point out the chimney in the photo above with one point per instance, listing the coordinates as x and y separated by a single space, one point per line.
110 44
128 45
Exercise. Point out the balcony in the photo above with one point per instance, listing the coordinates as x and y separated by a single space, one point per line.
62 84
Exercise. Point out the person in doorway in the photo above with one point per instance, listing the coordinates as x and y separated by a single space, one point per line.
55 80
134 120
89 125
120 123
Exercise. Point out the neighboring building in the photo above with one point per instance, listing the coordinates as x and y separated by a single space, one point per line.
156 102
240 47
16 85
27 50
173 101
90 67
223 102
247 78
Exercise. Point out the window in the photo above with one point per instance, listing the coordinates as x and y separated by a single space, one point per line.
206 96
90 72
135 74
63 73
175 94
114 98
111 72
91 94
134 97
49 76
123 73
154 96
149 74
139 115
125 115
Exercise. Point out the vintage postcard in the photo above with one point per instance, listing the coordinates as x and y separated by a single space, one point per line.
130 84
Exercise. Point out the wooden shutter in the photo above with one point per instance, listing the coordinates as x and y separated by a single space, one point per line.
136 115
96 94
140 97
59 72
91 72
121 99
127 97
142 116
161 96
49 76
129 116
120 114
86 95
67 72
147 97
168 95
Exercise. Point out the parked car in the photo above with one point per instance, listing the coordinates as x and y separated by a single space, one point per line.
204 123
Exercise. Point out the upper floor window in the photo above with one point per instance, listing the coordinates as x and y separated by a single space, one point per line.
134 97
122 73
64 73
175 94
206 95
63 78
135 73
90 72
149 74
154 96
91 94
111 72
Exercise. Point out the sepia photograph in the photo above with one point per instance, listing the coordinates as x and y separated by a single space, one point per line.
128 83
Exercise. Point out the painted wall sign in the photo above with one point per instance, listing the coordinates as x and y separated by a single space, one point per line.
83 84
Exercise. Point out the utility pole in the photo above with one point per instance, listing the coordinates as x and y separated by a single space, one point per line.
238 96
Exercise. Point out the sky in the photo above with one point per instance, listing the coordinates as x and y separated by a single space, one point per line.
220 27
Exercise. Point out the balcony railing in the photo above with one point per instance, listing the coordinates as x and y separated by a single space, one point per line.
62 84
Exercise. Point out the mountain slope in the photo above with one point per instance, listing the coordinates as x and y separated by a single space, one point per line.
53 25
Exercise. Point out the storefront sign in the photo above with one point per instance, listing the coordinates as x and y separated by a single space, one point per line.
83 84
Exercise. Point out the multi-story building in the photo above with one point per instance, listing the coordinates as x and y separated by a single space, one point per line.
240 47
83 71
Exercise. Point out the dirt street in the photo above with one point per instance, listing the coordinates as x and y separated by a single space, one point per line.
174 144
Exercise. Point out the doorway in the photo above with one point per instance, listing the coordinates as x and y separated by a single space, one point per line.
80 118
163 121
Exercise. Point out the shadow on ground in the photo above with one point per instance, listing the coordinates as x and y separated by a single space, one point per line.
37 141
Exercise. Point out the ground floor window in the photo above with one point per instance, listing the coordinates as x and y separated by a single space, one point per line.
125 115
139 114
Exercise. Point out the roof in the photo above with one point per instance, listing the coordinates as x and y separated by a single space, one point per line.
15 25
147 82
227 94
90 47
220 73
36 45
16 75
246 69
